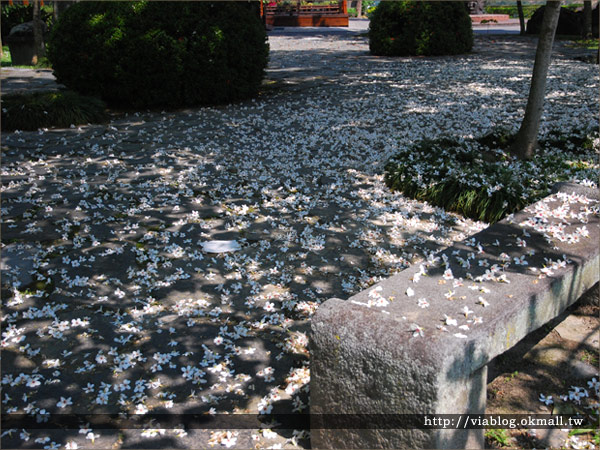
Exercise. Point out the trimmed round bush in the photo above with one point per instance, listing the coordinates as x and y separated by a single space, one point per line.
404 28
150 54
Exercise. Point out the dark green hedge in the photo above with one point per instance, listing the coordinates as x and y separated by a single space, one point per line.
403 28
148 54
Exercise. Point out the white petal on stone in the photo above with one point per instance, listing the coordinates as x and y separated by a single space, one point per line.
410 292
460 335
220 246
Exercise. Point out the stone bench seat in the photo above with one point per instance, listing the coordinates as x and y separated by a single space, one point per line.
420 341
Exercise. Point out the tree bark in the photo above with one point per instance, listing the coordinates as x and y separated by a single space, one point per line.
587 18
38 33
526 139
521 17
60 6
359 9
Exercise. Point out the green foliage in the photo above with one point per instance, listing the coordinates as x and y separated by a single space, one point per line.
528 9
6 60
498 435
367 5
573 6
143 54
49 109
402 28
576 141
17 14
479 179
588 44
594 433
512 376
512 10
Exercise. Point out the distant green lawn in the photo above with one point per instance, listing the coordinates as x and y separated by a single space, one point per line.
7 61
589 44
510 8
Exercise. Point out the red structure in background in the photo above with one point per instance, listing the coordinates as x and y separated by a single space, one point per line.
306 13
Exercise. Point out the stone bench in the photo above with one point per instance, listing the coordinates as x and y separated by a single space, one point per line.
419 342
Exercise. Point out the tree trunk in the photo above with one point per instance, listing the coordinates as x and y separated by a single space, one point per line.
60 6
526 139
587 18
359 9
38 33
521 17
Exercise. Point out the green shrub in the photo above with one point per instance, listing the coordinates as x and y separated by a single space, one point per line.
17 14
50 109
402 28
479 179
512 10
148 54
367 5
498 436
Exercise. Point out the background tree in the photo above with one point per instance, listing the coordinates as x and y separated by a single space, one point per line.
526 139
521 16
587 18
59 7
38 33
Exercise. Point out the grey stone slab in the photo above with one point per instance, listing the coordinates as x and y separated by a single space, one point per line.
583 371
578 329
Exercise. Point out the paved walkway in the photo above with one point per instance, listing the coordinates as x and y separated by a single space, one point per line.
491 41
110 301
15 79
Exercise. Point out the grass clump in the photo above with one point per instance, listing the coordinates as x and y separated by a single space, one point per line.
479 179
50 109
512 10
6 60
500 437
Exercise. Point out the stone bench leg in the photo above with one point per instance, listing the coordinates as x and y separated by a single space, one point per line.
359 370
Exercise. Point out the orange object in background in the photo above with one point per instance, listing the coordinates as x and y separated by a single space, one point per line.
309 14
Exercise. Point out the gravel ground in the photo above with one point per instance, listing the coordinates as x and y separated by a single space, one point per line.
109 302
